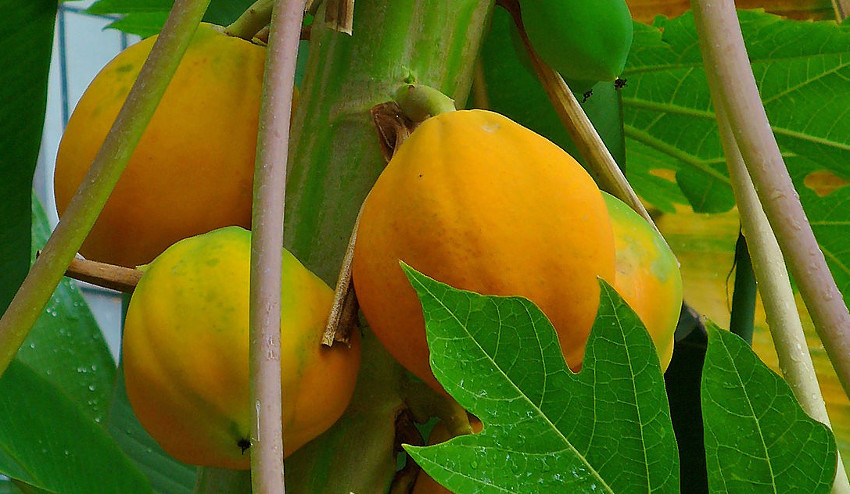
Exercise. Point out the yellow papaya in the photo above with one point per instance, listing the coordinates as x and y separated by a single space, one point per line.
193 169
647 276
479 202
185 352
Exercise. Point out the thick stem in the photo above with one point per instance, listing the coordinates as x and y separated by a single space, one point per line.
267 449
735 93
252 21
768 265
110 161
336 160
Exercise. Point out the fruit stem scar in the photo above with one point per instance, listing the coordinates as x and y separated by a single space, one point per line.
244 444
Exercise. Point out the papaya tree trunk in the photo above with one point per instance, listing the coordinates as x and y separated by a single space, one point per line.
335 160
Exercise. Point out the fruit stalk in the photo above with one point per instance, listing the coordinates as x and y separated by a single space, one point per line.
267 246
252 21
768 265
66 239
736 94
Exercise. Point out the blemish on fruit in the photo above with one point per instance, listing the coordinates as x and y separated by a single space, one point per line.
243 444
490 127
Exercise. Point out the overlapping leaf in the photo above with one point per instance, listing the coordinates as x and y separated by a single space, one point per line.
606 429
48 442
757 438
66 346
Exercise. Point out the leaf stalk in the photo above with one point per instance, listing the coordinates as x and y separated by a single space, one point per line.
267 448
735 94
769 269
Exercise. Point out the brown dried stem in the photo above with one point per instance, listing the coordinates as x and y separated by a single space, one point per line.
393 127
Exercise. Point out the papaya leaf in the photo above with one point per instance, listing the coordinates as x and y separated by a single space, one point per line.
757 438
147 13
605 429
26 39
48 442
142 24
66 346
801 69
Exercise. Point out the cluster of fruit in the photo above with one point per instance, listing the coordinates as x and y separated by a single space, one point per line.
471 199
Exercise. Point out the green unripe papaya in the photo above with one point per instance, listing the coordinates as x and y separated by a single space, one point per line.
583 40
579 88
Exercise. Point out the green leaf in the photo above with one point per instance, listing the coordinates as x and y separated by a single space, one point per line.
128 6
26 39
66 346
142 24
802 71
166 475
221 12
514 91
606 429
757 438
47 441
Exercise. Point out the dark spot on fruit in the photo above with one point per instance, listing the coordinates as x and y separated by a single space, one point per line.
243 444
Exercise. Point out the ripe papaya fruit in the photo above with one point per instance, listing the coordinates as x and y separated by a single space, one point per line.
193 169
647 277
185 352
582 40
479 202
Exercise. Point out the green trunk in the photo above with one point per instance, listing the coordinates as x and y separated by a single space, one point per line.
336 159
